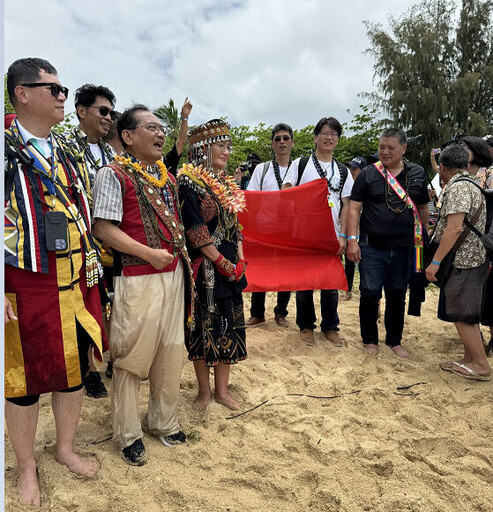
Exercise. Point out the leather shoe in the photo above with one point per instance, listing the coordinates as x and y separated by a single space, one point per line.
307 336
254 322
333 337
281 321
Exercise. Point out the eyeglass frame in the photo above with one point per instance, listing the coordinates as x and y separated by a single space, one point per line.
53 86
284 138
112 113
159 127
223 147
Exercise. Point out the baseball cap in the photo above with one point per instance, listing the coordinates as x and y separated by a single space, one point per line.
357 161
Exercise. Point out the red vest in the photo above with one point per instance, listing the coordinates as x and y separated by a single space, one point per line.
138 223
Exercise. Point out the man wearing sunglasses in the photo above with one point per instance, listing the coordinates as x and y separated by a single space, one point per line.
270 176
52 307
94 107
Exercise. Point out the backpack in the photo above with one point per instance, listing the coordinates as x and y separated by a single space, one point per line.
486 237
304 161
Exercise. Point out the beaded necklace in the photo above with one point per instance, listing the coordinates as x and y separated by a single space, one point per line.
277 172
391 197
323 174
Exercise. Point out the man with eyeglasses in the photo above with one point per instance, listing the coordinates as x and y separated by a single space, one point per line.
269 176
52 307
137 213
322 164
94 107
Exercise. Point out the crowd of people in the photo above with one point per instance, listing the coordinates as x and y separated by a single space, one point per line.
97 219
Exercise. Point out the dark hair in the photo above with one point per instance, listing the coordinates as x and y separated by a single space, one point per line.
479 148
86 95
128 120
281 127
489 141
398 133
24 71
454 156
331 121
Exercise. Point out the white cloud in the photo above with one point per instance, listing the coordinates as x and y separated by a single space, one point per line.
253 61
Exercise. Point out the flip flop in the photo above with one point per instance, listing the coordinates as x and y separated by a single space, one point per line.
470 375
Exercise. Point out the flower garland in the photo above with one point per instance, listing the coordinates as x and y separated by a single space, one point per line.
229 194
137 167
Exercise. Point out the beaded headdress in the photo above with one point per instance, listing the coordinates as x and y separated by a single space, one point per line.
201 137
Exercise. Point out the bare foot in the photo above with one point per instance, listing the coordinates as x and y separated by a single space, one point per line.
228 401
203 400
399 351
371 349
28 487
79 466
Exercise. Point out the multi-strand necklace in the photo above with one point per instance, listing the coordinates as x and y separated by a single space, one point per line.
158 183
391 197
323 174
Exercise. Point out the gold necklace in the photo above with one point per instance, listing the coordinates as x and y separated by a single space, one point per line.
150 179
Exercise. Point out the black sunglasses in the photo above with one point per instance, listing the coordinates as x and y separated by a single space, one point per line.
55 88
104 111
284 138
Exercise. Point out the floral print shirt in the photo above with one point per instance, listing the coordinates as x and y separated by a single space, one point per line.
464 197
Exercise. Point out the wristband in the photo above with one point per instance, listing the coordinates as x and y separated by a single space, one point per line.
183 118
435 262
352 237
343 235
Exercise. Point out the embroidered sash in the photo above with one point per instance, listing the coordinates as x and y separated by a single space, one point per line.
418 225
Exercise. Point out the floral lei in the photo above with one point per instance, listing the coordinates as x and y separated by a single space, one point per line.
137 167
229 194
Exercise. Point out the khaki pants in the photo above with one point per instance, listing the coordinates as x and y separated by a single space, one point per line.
147 342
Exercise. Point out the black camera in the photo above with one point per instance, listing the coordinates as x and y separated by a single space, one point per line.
418 142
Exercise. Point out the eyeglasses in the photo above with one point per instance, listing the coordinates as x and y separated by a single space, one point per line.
150 127
224 147
284 138
327 134
56 89
104 111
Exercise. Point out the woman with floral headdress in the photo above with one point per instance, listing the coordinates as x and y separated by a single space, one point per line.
211 202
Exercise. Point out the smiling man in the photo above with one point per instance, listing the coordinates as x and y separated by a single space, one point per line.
52 305
137 214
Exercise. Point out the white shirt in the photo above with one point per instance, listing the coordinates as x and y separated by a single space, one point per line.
97 153
310 173
26 135
270 182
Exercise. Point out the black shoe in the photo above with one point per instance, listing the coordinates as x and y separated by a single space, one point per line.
135 454
178 438
109 370
94 385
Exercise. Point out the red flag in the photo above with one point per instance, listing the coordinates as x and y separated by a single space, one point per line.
290 243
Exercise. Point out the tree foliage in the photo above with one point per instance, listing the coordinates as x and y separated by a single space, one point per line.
168 114
9 109
434 68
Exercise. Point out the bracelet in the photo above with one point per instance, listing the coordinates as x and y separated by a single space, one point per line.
435 262
343 235
352 237
183 118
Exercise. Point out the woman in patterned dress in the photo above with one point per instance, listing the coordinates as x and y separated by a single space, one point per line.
211 201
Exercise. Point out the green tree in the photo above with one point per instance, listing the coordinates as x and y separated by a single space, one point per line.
9 109
434 69
168 114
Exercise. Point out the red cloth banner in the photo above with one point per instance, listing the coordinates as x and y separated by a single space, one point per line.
290 242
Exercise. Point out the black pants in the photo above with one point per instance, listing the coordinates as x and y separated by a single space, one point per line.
349 268
258 304
83 342
305 310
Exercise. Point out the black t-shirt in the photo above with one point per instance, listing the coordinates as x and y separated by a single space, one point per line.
171 160
385 228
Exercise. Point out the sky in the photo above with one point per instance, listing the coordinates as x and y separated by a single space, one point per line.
253 61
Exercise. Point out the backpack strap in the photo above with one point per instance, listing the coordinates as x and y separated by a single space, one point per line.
264 172
301 168
344 172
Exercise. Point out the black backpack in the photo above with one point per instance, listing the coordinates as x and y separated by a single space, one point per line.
487 236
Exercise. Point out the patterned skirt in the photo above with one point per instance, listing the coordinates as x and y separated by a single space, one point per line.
218 335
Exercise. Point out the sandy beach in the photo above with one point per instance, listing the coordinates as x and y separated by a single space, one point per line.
337 430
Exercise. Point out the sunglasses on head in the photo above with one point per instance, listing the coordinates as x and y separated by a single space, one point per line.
56 89
284 138
104 111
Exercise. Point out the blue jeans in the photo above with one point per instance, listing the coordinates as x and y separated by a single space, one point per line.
305 310
388 269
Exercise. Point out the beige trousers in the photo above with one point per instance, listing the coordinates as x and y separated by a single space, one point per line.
147 342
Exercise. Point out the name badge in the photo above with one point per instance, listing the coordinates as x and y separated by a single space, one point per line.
331 203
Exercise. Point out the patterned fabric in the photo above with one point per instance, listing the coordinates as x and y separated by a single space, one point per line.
199 236
464 197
